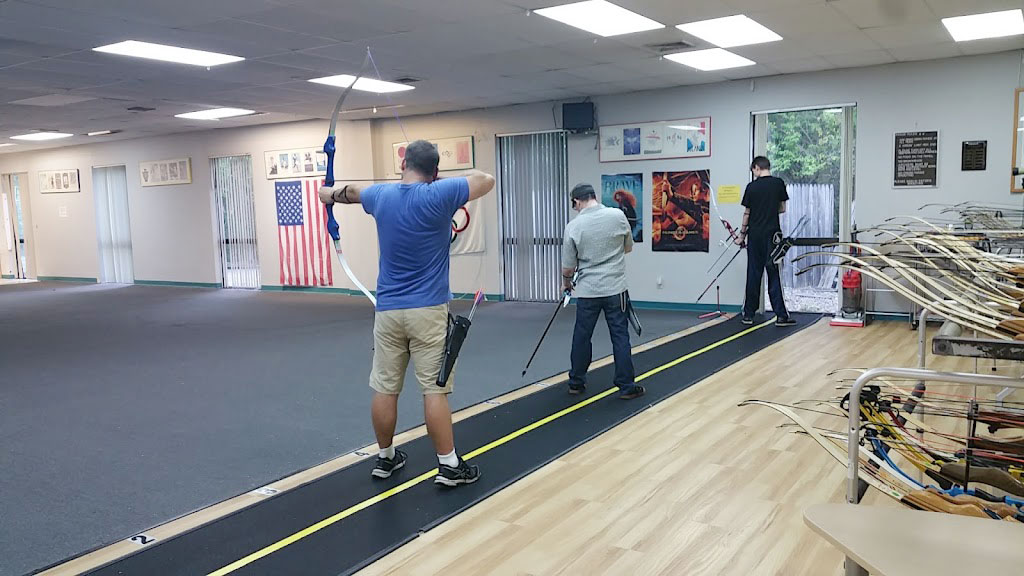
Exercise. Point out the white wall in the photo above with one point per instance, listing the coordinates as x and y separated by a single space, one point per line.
173 235
964 99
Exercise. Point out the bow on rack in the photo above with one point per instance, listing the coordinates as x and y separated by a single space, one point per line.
329 148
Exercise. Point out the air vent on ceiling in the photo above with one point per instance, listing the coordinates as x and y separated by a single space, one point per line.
140 109
669 47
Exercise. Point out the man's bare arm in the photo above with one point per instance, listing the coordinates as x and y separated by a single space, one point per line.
480 183
782 207
342 194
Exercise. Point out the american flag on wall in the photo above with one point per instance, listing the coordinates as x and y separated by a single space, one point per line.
305 250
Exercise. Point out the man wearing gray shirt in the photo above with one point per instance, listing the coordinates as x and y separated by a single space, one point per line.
596 243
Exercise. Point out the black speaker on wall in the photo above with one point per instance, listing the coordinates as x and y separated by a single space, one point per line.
578 117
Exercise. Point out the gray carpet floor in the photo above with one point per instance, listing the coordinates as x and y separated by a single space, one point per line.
124 407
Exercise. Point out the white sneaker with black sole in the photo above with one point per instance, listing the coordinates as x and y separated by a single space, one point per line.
461 474
387 466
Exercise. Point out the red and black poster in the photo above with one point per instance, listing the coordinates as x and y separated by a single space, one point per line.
680 205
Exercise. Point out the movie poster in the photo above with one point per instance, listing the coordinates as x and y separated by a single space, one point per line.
626 192
680 205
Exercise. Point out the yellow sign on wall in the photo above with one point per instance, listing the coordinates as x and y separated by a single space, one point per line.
728 194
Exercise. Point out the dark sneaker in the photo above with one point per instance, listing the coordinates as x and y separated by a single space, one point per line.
747 321
787 321
387 466
576 390
634 391
452 477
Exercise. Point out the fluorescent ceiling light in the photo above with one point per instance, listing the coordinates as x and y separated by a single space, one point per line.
364 84
990 25
730 31
41 136
139 49
712 59
102 132
600 17
215 114
6 144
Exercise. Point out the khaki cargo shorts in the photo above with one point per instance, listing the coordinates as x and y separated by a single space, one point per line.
417 333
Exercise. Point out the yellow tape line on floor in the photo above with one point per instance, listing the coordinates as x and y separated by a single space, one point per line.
481 450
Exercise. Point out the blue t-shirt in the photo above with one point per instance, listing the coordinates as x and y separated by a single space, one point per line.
414 226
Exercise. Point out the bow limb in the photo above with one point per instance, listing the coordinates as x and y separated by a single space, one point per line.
329 149
829 446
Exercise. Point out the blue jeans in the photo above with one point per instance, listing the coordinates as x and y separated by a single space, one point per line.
759 247
587 312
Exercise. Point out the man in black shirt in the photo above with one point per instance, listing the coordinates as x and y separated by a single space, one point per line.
765 198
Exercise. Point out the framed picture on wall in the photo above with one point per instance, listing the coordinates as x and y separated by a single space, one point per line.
54 181
296 163
171 172
454 153
687 138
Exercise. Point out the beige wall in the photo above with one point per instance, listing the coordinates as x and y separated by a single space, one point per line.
173 234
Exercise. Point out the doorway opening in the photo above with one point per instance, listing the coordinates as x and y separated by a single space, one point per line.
813 151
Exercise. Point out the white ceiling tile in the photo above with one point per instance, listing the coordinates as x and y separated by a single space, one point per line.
930 52
747 6
838 43
538 29
268 38
803 21
604 73
170 14
773 51
602 89
916 34
549 80
802 65
338 24
749 71
874 13
992 45
865 58
316 65
672 12
604 50
948 8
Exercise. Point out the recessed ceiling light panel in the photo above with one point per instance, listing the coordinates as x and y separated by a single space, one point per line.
989 25
363 84
215 114
712 59
600 17
42 136
730 31
166 53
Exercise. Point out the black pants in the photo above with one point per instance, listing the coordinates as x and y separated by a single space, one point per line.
759 247
588 310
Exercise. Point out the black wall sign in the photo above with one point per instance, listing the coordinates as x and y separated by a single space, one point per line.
917 159
974 155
